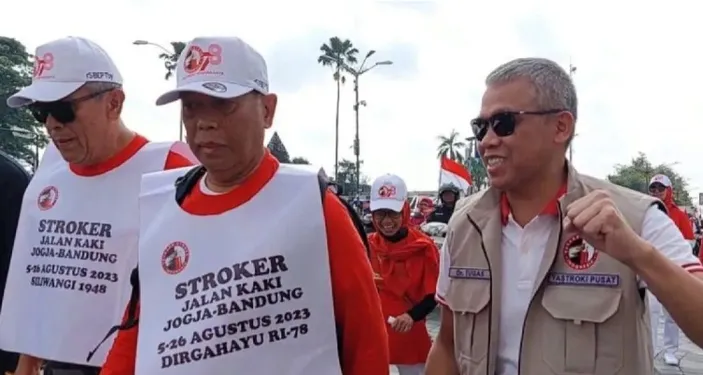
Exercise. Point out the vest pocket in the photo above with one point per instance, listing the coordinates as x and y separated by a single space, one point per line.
468 300
581 337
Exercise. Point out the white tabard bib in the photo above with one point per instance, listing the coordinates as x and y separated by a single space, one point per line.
75 247
247 291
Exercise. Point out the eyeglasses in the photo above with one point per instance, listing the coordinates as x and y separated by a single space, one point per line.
62 111
382 214
504 123
656 188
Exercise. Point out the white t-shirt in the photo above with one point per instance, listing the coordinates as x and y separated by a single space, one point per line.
523 249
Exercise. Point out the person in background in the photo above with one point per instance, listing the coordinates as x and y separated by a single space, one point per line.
426 207
448 195
13 182
416 218
660 187
406 267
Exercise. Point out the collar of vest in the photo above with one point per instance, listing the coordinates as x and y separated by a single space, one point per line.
485 205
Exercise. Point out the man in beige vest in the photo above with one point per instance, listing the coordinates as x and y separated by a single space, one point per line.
544 272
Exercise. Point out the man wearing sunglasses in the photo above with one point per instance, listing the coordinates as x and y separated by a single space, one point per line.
660 187
545 271
76 243
245 225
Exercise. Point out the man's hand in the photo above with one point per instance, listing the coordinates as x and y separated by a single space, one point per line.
402 323
601 225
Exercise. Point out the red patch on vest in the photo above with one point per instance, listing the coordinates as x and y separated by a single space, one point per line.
47 198
175 258
578 254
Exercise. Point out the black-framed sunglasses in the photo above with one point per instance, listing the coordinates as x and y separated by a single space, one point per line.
504 123
656 188
63 110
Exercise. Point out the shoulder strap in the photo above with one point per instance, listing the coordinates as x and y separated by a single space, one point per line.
131 320
185 183
358 224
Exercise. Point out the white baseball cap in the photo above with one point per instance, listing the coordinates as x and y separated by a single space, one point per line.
223 67
388 192
62 67
660 179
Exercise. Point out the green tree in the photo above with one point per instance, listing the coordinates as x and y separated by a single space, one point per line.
337 53
278 149
475 165
478 173
21 135
300 160
637 174
347 178
171 59
451 147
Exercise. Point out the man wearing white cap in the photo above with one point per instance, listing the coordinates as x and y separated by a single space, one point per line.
660 186
271 276
76 243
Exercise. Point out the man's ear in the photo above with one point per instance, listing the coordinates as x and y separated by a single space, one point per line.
115 102
565 127
270 101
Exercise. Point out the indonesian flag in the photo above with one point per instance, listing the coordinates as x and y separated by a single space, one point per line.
454 173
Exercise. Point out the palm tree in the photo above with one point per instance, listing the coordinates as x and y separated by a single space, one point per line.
336 54
451 147
170 60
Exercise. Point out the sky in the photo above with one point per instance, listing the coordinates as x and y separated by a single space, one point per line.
637 77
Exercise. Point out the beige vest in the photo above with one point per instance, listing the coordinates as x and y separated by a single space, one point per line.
580 321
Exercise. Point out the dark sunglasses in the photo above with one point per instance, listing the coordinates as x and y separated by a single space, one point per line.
656 188
503 123
62 111
382 214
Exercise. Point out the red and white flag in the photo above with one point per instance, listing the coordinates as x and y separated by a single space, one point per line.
452 172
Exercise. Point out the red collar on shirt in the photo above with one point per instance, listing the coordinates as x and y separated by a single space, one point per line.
552 207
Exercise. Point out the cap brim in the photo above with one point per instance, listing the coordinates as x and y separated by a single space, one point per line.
231 91
386 204
43 91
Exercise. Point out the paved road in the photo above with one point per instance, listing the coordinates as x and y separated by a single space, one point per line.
691 356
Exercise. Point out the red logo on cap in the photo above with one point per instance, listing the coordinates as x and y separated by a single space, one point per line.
197 60
43 64
386 191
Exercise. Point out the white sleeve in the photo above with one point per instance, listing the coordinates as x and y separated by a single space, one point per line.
443 280
660 231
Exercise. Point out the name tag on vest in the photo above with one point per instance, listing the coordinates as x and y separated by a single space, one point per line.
584 279
469 273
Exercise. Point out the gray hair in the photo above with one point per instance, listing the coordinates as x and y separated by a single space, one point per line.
101 88
553 86
96 87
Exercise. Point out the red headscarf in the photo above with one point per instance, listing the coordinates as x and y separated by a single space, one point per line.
406 272
679 217
408 268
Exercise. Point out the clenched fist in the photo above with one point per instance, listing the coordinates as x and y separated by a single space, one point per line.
599 222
